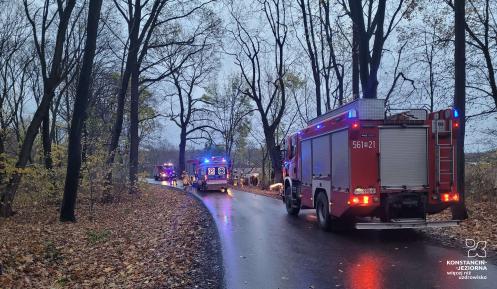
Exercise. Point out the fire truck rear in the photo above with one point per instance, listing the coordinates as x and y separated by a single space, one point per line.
357 164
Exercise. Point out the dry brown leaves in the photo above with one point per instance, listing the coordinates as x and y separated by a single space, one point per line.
162 239
258 191
481 226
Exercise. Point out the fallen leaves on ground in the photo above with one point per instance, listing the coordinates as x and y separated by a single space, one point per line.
258 191
162 239
480 226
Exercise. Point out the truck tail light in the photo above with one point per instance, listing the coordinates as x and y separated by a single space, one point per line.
450 197
365 200
355 125
360 200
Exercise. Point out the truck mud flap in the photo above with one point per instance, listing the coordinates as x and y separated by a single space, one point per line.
406 224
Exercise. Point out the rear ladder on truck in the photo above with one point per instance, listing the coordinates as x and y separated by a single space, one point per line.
444 155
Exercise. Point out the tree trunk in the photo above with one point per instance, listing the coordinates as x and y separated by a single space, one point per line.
182 150
47 142
131 61
459 210
134 102
356 12
372 86
118 124
355 61
274 155
79 114
2 141
133 127
312 52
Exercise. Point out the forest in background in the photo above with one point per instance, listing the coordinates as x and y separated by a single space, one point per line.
99 94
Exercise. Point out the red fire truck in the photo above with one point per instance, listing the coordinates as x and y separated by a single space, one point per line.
211 173
378 171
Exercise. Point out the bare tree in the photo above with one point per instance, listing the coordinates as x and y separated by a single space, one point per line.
144 18
51 79
230 109
320 45
481 26
14 62
190 69
62 61
265 88
79 114
369 59
312 49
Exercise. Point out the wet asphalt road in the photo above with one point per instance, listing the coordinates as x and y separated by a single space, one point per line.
263 247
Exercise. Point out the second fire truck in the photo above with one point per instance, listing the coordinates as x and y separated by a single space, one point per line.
357 164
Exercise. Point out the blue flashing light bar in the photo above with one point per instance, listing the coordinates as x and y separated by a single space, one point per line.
206 161
319 126
352 113
456 113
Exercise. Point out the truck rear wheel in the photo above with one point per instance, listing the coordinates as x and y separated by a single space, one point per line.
292 206
323 212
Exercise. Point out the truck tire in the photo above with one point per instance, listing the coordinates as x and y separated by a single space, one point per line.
323 212
291 209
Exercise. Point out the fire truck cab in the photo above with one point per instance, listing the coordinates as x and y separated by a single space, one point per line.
357 163
165 172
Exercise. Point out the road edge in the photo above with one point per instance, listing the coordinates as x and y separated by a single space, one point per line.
215 241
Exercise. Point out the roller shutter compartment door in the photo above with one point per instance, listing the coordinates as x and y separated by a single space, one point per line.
403 157
340 159
321 158
306 162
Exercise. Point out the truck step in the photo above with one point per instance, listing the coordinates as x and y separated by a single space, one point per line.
406 224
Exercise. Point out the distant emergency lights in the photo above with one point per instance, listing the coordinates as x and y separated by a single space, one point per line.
207 160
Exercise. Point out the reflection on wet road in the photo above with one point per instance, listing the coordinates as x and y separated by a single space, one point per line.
265 248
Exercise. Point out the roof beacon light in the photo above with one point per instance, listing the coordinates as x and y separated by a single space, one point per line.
206 161
456 113
352 113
